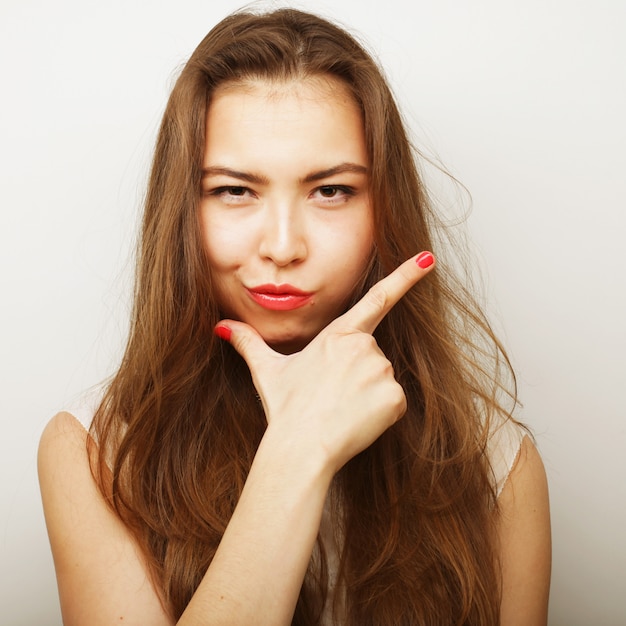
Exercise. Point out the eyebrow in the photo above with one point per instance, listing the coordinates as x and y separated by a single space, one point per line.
259 179
332 171
227 171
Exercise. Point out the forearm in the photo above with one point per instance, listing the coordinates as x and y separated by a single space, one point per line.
258 569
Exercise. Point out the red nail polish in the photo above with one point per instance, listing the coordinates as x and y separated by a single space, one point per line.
223 332
425 259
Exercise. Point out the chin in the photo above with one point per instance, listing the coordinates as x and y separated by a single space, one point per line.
286 344
287 347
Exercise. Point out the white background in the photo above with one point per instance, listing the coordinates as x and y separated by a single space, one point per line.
523 101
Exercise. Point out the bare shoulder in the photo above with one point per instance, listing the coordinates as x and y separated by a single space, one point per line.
525 541
100 572
64 432
62 456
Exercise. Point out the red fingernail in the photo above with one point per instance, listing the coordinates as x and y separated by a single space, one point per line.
223 332
425 259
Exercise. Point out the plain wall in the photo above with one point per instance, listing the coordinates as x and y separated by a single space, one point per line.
523 102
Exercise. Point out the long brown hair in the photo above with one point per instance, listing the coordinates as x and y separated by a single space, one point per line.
180 423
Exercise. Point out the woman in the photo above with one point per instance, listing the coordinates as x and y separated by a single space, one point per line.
247 464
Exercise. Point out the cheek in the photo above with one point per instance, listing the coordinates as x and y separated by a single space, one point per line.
351 254
222 244
358 245
222 258
349 238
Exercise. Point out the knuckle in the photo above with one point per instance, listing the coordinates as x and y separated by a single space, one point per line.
362 344
241 341
408 276
378 298
399 402
388 368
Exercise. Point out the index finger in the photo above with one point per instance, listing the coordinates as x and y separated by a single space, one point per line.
370 310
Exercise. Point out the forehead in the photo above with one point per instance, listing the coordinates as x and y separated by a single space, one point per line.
297 123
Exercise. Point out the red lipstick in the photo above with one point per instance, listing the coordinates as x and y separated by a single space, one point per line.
279 297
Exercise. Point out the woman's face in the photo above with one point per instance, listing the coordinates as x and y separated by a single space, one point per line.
285 210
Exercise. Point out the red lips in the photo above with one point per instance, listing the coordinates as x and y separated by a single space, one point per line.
279 297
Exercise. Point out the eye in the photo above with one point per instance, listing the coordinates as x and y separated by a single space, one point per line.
231 191
334 193
230 194
329 191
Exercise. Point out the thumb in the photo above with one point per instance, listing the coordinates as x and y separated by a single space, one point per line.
247 341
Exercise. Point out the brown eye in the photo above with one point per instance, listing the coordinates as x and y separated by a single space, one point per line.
332 194
328 191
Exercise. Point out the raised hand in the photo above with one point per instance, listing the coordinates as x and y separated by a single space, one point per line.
339 394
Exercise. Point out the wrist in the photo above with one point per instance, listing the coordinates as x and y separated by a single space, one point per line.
294 458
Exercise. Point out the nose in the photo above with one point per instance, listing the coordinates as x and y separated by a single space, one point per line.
283 240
